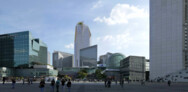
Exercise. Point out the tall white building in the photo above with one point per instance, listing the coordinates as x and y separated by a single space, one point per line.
49 58
168 37
82 40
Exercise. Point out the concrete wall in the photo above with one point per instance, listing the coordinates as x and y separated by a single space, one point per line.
166 37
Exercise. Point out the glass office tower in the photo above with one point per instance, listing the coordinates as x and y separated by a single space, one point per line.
21 50
88 57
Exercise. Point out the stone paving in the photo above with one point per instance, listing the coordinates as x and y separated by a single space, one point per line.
99 87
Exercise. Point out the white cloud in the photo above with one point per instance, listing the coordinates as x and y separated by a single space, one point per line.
69 46
122 13
97 4
118 42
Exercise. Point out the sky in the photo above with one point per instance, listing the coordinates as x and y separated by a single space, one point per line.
117 26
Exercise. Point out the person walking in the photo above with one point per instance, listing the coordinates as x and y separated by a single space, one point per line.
23 81
52 85
109 83
169 83
13 83
28 80
42 85
122 83
105 83
4 80
57 85
31 80
143 82
69 85
63 84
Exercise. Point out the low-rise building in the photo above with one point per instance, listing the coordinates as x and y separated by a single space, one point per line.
20 52
133 68
112 64
62 59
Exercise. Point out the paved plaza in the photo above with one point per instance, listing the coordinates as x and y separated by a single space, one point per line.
99 87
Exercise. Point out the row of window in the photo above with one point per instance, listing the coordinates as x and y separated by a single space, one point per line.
185 31
13 36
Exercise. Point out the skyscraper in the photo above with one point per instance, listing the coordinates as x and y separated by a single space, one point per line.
49 58
168 37
82 40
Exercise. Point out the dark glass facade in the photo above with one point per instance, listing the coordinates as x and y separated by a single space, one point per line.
21 50
88 56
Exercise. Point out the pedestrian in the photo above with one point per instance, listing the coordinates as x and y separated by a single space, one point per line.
116 82
57 85
52 85
105 82
169 83
28 80
128 81
13 83
69 85
142 82
122 83
23 81
31 80
109 83
42 85
63 84
4 80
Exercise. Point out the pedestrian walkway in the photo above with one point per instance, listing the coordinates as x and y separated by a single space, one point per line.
99 87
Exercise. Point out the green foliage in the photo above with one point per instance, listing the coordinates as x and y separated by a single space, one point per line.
84 71
67 77
82 74
80 23
36 63
99 75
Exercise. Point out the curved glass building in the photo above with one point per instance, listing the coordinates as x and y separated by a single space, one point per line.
82 40
113 61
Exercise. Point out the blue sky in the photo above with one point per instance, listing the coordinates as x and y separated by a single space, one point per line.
116 25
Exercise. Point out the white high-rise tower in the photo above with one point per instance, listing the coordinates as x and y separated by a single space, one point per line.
168 37
82 40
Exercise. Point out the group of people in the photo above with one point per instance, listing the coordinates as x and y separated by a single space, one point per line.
56 84
13 81
29 80
107 83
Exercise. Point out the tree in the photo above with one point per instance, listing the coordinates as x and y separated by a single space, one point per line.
99 75
67 77
82 74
